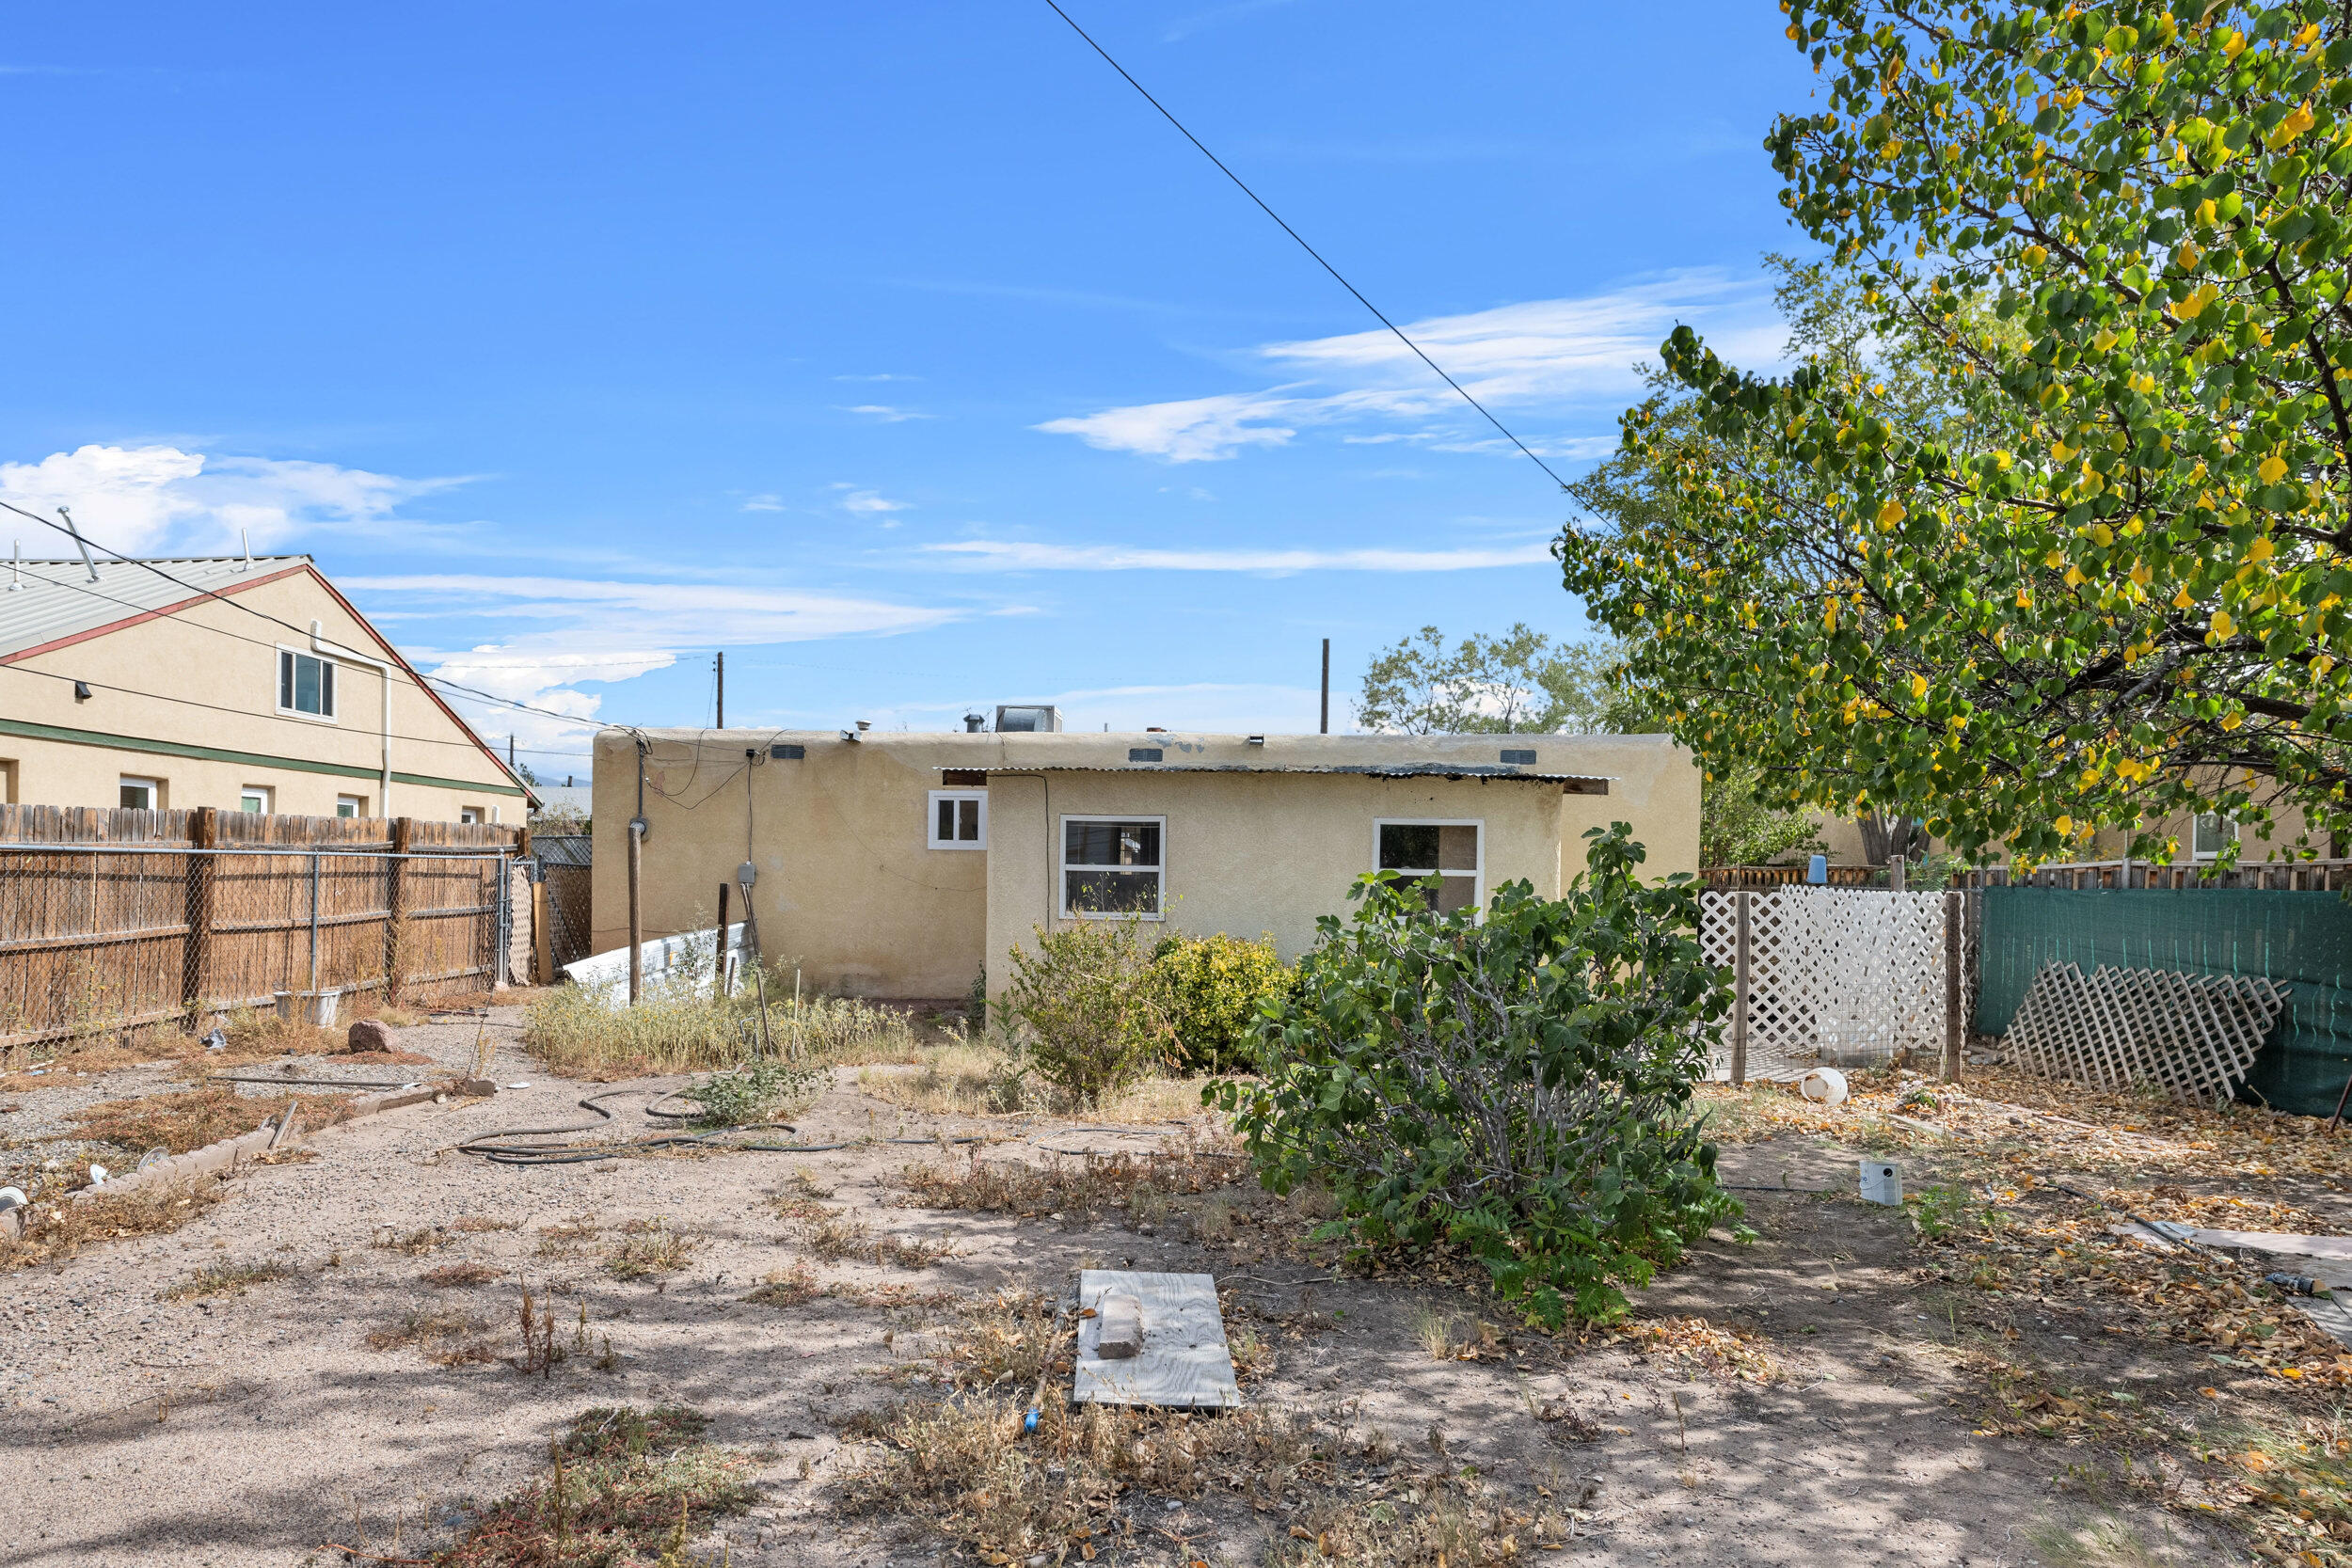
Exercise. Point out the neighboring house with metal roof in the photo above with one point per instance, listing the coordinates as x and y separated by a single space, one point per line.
897 864
244 683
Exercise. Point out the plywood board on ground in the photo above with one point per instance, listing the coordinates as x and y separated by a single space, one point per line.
1185 1363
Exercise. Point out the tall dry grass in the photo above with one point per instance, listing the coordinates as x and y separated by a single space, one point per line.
683 1028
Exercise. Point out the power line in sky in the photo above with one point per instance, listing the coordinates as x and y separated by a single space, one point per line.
1311 251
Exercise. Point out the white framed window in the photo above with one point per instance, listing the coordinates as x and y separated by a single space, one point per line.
305 685
351 805
2210 835
469 813
1114 866
1452 850
142 793
254 800
958 819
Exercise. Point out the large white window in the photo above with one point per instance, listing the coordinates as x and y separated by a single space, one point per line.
306 684
254 800
958 819
1114 865
469 814
1451 851
351 805
142 793
2212 833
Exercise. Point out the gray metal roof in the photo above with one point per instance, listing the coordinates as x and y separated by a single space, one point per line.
1576 784
43 602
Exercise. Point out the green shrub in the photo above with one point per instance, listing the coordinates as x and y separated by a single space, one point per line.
1518 1085
1215 989
1085 1009
755 1090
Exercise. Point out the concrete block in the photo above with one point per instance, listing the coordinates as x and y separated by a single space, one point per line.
1120 1332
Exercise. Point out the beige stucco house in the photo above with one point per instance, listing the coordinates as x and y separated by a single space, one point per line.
246 684
899 865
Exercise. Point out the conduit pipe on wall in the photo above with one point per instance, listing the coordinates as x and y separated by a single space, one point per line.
319 644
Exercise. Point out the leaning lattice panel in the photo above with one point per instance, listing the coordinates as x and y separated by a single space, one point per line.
2193 1035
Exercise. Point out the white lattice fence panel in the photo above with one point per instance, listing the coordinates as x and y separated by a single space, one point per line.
2193 1035
1835 975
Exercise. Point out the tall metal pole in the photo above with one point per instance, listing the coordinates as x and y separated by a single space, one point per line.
315 927
723 691
1327 688
636 908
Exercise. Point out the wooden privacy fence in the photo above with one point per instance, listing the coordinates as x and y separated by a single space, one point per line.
1838 977
2312 876
116 921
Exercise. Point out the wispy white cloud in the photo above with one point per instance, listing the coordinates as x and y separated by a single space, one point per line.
883 375
885 412
767 501
159 499
1001 555
564 632
867 503
1556 356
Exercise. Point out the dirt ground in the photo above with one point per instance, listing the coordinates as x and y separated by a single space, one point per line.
1834 1408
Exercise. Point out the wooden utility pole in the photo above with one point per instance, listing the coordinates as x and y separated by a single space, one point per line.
197 953
722 690
1327 688
1740 989
719 975
396 911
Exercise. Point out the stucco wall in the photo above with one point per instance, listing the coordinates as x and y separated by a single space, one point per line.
848 890
186 656
1252 854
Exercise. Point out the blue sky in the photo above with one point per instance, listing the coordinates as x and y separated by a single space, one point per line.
899 349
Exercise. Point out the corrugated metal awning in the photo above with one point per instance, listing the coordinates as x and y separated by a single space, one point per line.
1570 783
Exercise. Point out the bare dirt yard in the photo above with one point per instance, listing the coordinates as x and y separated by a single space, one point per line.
393 1351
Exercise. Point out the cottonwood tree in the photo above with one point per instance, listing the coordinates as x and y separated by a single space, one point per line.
2098 574
1522 681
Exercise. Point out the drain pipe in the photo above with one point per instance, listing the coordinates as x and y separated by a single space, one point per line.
319 644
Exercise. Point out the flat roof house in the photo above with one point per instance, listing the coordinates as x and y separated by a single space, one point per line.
896 865
243 683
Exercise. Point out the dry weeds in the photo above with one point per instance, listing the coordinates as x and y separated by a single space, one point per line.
224 1279
189 1119
1142 1185
456 1276
621 1487
1095 1480
55 1231
446 1337
649 1249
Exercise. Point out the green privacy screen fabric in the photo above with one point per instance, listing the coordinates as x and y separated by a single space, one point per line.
2302 940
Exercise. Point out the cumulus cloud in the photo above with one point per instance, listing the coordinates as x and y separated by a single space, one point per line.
871 503
884 412
1017 556
1573 357
162 500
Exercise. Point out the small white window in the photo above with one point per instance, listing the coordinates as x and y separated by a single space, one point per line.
469 813
351 805
2211 836
142 793
1113 866
306 684
1453 852
255 800
958 819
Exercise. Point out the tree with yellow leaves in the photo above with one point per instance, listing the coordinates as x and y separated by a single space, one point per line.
2098 576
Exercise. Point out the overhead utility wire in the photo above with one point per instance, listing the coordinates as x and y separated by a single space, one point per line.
1305 246
263 614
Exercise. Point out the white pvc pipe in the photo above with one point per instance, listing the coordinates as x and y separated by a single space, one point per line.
319 644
